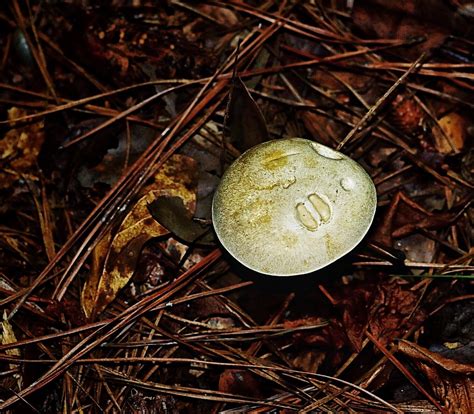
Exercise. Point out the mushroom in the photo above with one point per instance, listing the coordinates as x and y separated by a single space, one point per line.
292 206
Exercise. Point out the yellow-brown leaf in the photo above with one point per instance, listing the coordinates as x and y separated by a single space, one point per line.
451 138
115 258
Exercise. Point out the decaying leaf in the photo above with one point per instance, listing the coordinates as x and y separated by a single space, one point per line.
406 113
417 248
451 137
407 19
449 379
320 129
433 358
387 309
239 381
405 217
8 337
394 311
222 15
115 256
246 122
171 213
112 161
355 303
309 360
19 149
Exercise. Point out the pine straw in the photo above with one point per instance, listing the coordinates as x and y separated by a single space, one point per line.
95 366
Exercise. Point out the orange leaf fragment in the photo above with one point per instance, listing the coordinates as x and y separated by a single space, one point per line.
451 137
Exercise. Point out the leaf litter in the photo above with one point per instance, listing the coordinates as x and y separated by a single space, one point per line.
116 124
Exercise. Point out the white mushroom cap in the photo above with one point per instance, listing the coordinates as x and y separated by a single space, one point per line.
292 206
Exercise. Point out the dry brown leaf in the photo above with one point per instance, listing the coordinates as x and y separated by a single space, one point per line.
453 135
224 16
309 360
115 258
388 309
449 379
240 382
404 217
422 354
394 311
355 302
333 81
19 149
406 19
406 113
246 122
8 337
318 127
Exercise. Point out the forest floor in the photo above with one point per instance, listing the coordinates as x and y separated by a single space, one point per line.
116 124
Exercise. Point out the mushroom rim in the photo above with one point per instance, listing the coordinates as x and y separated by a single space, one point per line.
345 252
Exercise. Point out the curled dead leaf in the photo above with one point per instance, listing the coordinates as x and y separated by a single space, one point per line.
450 380
246 122
422 354
115 256
173 215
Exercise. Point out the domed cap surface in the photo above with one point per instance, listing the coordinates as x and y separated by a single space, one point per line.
292 206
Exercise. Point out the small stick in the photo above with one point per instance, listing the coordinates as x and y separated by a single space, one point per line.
372 111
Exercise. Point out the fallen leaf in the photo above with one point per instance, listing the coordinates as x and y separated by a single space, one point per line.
417 248
451 137
356 302
394 311
8 337
246 122
106 165
154 267
172 214
309 360
388 309
225 17
404 20
330 335
334 79
449 379
407 114
405 217
115 257
422 354
240 382
19 150
319 128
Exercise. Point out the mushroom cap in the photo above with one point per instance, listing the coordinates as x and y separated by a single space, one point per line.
292 206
